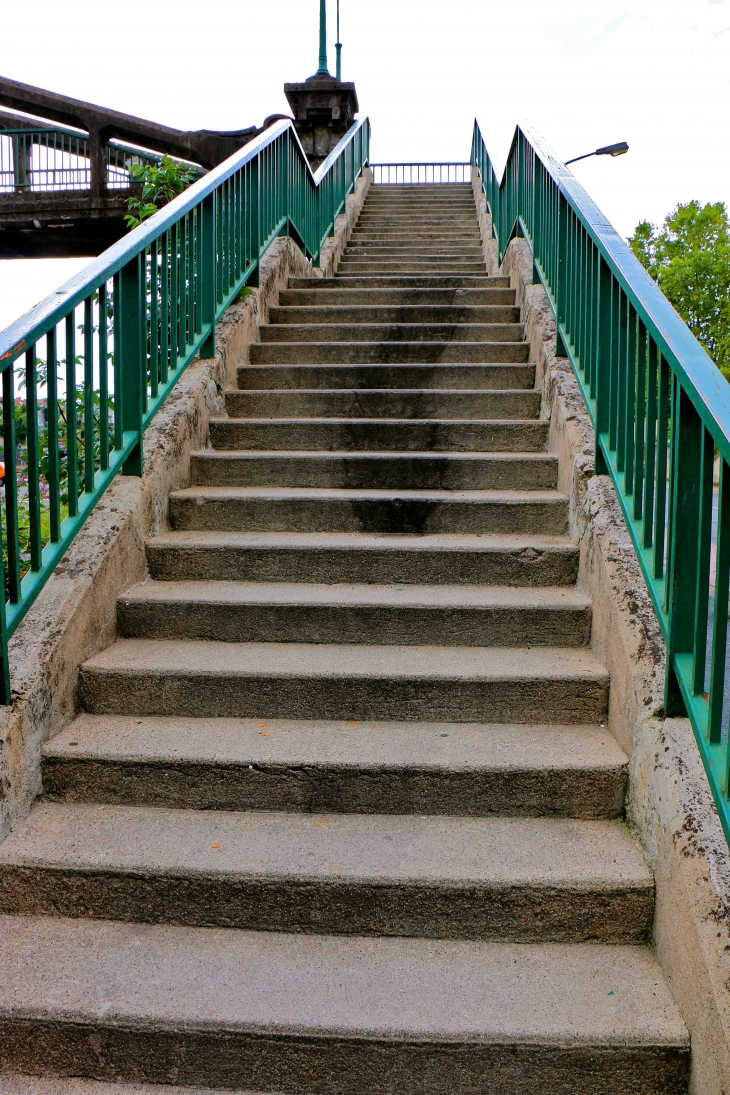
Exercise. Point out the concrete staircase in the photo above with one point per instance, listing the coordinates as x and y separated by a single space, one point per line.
340 815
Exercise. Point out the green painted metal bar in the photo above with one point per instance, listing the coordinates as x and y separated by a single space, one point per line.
660 407
149 306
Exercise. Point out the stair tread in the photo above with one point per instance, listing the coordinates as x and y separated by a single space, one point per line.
142 657
437 746
17 1084
150 976
352 595
372 456
425 543
361 494
437 850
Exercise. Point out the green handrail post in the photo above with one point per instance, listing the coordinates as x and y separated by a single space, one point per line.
132 357
207 275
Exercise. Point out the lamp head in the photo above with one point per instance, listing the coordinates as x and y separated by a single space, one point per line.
613 149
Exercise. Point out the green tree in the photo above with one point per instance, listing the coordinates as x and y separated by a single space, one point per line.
160 183
689 256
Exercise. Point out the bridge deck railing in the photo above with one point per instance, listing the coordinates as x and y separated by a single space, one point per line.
52 159
84 371
661 411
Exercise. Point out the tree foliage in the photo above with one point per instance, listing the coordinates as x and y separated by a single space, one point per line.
160 183
689 256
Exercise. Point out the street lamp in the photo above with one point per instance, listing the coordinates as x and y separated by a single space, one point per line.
608 150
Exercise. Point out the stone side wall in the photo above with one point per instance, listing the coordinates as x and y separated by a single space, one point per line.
74 616
669 806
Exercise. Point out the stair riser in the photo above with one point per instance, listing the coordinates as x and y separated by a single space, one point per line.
412 284
212 695
342 296
394 472
335 515
508 377
387 353
420 251
226 563
333 1065
398 403
519 913
415 266
390 315
399 436
323 788
240 623
384 332
322 284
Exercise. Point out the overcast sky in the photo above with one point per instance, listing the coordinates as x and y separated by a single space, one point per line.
655 73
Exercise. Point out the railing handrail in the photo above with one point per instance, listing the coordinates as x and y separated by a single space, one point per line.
37 321
669 329
132 320
660 408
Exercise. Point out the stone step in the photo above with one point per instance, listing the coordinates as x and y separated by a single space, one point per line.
403 235
412 285
381 265
386 353
19 1084
377 434
384 403
392 332
421 251
507 376
376 280
564 881
345 681
410 615
407 314
290 1012
376 470
313 509
344 296
458 769
508 560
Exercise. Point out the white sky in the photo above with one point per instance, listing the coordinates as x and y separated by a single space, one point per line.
655 73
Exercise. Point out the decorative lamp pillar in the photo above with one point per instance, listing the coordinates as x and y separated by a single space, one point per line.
323 106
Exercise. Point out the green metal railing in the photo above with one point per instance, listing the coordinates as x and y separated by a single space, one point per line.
661 411
102 354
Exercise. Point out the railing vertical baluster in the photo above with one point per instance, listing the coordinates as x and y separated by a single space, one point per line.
154 322
702 594
33 466
165 308
720 615
662 453
89 469
103 380
651 442
684 539
54 470
207 274
72 455
132 358
630 407
10 449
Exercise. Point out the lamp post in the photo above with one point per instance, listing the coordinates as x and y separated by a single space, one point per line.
323 70
338 45
608 150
